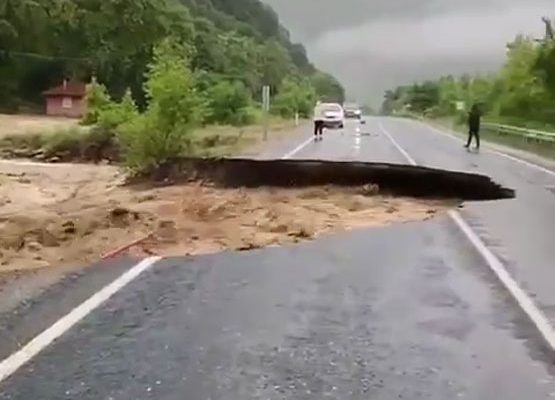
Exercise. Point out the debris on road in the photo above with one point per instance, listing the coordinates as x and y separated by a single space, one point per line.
74 214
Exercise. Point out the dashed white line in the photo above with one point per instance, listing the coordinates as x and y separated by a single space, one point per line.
11 364
407 156
524 301
297 149
357 144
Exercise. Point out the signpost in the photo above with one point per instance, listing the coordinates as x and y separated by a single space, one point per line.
266 108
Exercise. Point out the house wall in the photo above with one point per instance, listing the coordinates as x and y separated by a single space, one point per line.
55 107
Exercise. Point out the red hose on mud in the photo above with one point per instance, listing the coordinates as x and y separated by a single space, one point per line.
120 250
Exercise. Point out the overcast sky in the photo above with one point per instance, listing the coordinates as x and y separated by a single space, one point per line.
374 45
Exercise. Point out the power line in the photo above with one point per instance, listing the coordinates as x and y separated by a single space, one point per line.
42 56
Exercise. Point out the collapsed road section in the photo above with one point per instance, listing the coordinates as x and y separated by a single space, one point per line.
393 179
66 215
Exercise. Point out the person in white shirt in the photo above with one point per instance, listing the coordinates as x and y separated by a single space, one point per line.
318 121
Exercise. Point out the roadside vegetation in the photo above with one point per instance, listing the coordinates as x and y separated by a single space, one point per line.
170 71
521 94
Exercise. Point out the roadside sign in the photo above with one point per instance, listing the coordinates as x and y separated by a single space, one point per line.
460 105
266 98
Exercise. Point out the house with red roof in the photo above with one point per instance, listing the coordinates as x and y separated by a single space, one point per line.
66 100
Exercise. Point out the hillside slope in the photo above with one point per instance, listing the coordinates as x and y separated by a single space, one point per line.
44 41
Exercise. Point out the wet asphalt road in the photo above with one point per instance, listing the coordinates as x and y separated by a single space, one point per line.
406 312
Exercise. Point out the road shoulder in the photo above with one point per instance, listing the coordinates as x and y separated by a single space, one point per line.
497 147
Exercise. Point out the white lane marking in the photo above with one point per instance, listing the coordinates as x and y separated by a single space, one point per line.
297 149
397 145
524 301
357 144
523 162
11 364
529 164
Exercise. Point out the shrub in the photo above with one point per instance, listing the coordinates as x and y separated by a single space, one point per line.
31 141
116 114
294 97
97 100
230 103
164 131
94 144
64 144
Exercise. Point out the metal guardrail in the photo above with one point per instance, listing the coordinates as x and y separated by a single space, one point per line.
528 134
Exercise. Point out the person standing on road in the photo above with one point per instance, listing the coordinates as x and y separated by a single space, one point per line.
474 117
318 121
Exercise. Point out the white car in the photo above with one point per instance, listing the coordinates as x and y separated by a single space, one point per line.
352 111
331 114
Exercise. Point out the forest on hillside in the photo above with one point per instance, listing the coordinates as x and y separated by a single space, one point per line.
521 93
233 47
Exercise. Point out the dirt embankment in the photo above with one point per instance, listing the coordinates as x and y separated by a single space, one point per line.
52 215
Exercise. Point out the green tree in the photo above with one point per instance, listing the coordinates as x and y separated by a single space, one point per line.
328 88
295 97
21 23
164 131
449 93
116 114
230 103
97 100
545 66
423 97
44 41
523 91
242 56
300 58
275 64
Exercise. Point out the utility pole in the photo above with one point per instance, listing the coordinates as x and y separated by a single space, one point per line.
549 34
549 31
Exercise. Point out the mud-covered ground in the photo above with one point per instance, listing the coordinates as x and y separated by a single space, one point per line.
55 215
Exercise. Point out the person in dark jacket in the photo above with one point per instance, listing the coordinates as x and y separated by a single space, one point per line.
474 117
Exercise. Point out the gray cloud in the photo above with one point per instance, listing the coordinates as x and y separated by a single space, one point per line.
374 45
